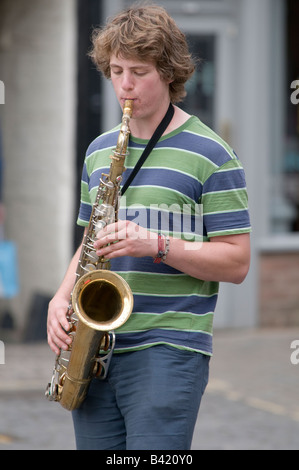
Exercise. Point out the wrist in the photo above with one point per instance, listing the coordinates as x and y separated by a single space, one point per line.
163 248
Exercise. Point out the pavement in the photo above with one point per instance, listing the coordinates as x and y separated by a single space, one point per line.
251 402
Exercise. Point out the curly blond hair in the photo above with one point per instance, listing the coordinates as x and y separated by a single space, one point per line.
147 33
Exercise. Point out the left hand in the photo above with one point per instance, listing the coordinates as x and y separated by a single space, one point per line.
125 238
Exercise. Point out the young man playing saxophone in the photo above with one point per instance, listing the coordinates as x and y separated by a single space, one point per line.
159 370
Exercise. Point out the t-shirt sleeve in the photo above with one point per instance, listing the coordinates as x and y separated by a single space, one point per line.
85 202
225 201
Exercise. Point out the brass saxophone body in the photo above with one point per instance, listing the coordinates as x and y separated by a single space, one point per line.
101 300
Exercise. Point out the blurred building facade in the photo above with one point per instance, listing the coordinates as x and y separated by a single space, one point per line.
56 103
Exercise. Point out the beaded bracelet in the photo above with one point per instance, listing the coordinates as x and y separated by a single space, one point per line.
163 248
166 249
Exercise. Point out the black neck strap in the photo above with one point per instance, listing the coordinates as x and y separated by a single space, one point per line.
151 144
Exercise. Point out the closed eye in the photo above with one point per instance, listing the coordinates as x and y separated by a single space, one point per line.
116 71
140 74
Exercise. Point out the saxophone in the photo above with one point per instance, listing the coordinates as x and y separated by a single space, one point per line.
101 300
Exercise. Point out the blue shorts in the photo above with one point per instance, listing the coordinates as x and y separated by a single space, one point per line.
150 400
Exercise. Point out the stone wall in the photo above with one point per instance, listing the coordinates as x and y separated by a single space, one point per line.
38 69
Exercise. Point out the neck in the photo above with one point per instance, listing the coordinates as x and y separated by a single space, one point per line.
144 127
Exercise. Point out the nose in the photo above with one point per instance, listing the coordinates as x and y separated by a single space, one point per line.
127 81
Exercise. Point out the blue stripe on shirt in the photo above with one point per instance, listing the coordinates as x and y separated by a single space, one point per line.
193 339
158 304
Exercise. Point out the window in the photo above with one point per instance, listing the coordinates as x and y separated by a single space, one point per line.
200 88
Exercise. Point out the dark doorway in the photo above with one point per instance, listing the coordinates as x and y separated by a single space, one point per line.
291 157
89 97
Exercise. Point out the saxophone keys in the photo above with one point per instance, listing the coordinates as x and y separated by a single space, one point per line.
93 257
99 226
89 267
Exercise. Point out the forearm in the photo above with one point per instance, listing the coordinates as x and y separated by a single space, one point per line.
58 324
223 259
68 282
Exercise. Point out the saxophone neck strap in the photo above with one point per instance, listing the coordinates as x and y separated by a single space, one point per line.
151 144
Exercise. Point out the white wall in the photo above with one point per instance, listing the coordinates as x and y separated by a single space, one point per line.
37 57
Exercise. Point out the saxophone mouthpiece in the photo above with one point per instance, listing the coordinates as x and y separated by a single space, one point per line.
128 107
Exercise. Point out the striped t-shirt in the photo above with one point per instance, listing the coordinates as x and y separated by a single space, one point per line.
191 186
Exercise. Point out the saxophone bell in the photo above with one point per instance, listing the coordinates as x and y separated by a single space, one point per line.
102 300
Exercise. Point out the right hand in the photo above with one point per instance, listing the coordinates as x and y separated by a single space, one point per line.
57 323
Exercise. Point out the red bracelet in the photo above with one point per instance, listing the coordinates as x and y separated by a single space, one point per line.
161 246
